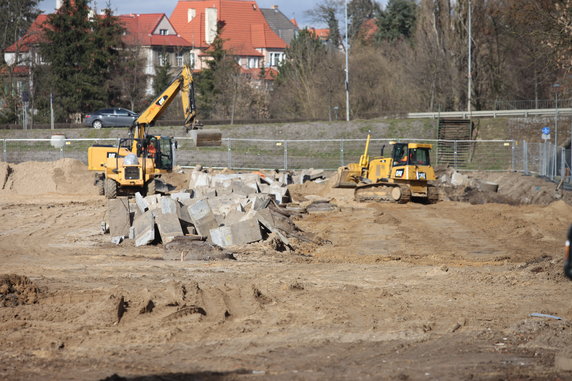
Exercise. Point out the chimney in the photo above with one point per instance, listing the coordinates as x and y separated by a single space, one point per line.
211 18
275 7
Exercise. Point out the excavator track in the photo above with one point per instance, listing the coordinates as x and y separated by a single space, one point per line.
382 192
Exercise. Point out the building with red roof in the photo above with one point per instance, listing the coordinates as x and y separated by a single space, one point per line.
247 34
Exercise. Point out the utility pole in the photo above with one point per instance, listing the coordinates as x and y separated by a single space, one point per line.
470 78
347 69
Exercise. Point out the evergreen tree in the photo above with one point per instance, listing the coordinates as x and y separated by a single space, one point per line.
162 78
397 21
81 52
334 37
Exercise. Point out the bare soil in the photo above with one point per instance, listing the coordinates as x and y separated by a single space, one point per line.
406 292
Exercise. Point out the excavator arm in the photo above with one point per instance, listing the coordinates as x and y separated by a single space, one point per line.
182 83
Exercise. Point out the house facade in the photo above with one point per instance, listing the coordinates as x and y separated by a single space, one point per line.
247 33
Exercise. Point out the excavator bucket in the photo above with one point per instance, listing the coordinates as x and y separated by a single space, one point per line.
206 138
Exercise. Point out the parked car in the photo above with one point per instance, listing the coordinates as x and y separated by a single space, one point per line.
110 117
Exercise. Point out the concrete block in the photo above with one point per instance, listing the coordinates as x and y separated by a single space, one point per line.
117 240
238 187
459 179
153 199
169 226
261 201
281 194
233 216
246 231
202 217
203 192
142 204
168 205
199 179
132 232
118 215
314 174
180 196
144 229
221 236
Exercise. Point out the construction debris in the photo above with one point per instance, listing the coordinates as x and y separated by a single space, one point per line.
218 211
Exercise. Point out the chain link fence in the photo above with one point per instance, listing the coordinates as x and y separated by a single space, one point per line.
542 159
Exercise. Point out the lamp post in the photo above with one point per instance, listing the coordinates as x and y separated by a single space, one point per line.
469 74
556 88
347 84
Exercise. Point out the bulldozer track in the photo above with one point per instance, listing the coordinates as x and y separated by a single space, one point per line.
380 192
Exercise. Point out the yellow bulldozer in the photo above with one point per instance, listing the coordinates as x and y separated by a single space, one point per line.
139 159
404 175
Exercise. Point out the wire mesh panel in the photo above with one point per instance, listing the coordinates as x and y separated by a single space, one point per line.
485 155
187 154
21 150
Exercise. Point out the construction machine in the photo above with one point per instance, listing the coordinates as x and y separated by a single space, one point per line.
398 178
139 159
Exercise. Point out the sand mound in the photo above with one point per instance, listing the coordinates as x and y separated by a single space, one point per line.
65 176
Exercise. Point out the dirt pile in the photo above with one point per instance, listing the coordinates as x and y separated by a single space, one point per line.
16 290
66 176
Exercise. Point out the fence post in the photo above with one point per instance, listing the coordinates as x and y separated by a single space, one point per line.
229 153
341 152
285 155
455 154
525 157
174 150
5 152
513 148
562 162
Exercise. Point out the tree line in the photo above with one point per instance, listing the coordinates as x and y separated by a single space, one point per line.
407 56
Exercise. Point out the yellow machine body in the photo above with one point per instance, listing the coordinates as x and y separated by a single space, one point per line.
397 178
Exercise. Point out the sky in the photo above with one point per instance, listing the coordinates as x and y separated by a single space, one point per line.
291 8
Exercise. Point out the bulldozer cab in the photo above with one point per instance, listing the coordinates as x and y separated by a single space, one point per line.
410 154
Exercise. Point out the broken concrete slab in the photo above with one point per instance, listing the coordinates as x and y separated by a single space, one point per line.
180 196
144 229
168 205
202 217
118 214
142 204
169 226
280 193
233 216
238 187
222 236
117 240
199 179
246 231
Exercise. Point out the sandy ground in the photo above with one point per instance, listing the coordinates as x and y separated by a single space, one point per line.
400 292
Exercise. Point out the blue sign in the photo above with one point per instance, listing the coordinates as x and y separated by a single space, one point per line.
546 130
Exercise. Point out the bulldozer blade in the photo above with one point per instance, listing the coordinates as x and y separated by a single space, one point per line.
345 178
206 138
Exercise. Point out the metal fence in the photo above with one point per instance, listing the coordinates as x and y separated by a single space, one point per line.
543 159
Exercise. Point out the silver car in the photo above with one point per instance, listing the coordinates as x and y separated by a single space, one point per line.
110 117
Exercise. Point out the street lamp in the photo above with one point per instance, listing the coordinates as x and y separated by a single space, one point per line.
470 77
347 84
556 88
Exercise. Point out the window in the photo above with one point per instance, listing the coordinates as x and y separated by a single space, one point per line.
163 32
162 59
276 58
180 60
252 63
192 60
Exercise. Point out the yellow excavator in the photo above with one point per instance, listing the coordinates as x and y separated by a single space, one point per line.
398 178
137 160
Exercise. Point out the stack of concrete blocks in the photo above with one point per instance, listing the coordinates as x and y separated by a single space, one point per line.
224 210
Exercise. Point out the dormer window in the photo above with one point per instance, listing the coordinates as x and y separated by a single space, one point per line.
163 32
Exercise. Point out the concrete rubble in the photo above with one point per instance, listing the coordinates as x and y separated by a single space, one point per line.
216 212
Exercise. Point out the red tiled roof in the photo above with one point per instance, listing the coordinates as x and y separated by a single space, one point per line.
246 28
270 74
369 29
293 21
18 70
139 29
320 33
33 36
